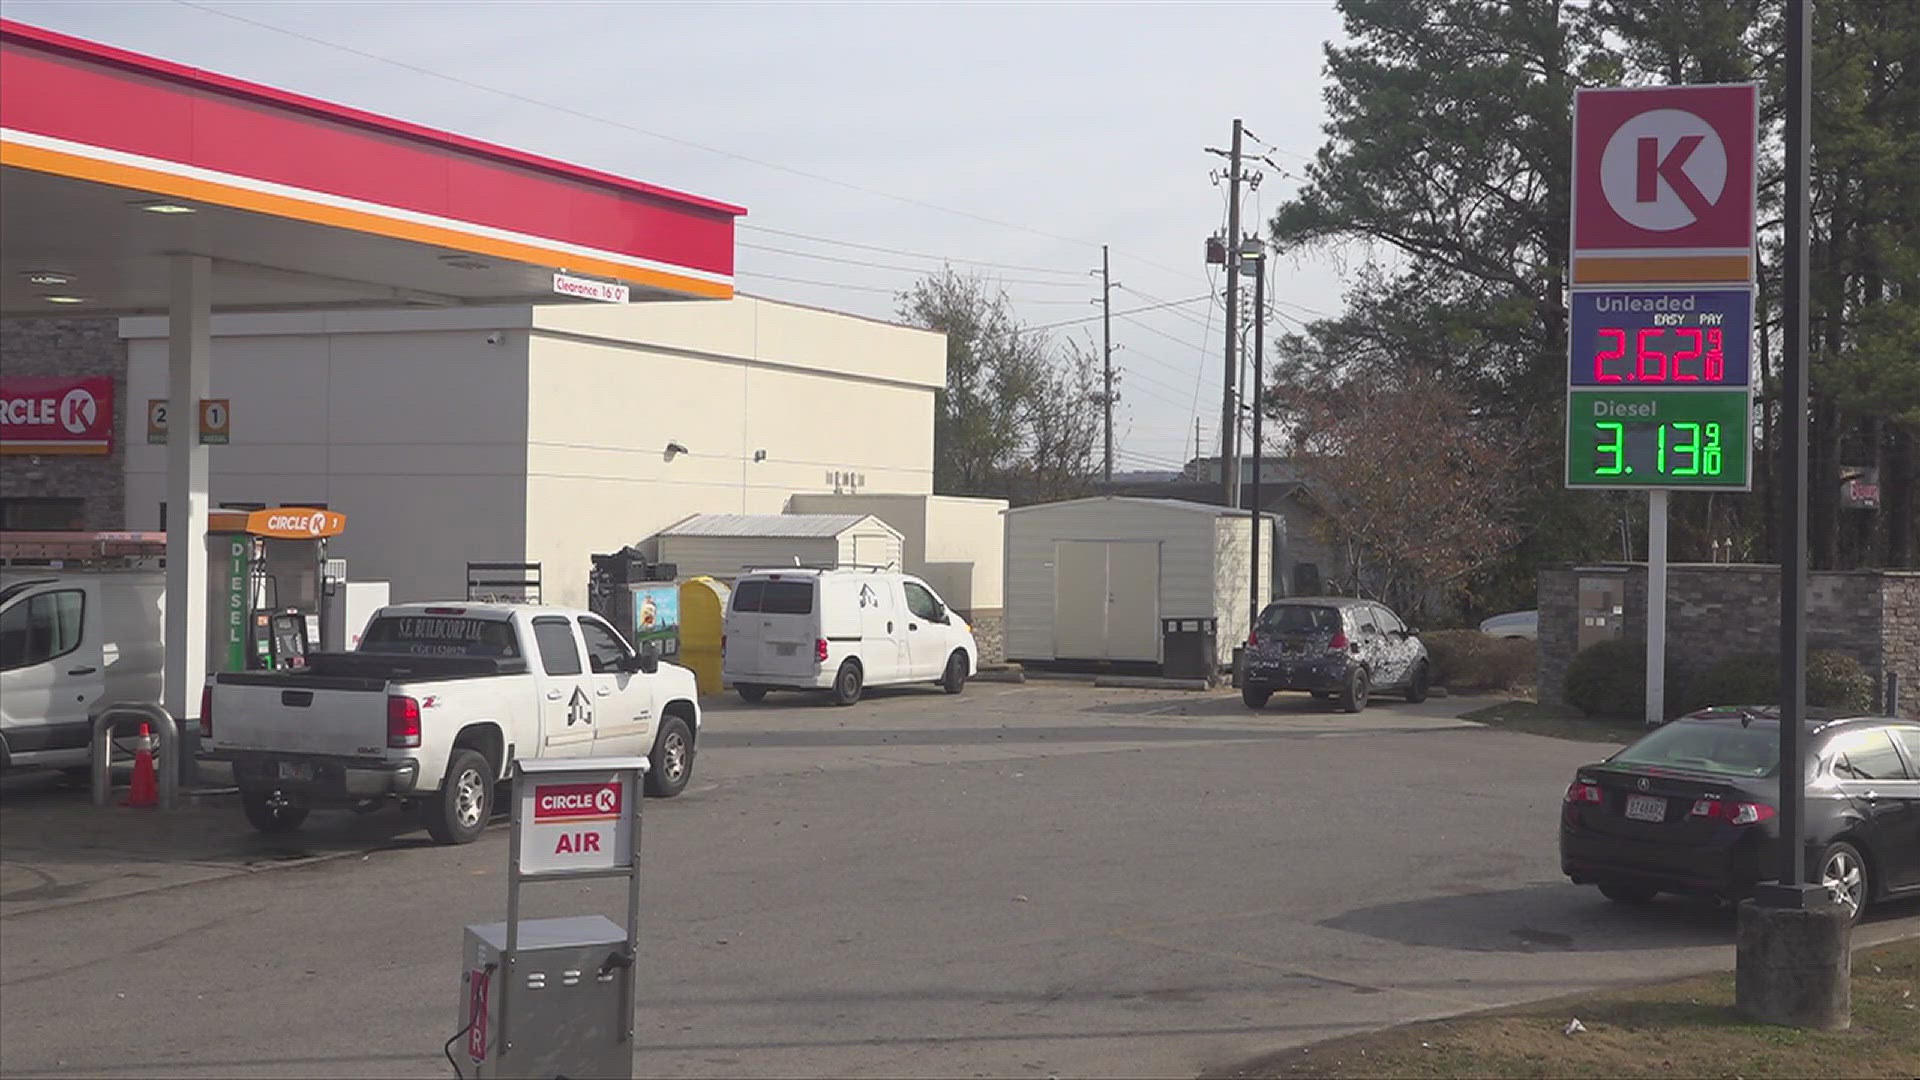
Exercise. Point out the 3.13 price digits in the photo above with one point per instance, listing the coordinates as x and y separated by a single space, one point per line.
1681 448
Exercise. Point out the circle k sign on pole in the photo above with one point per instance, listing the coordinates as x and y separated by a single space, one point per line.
1663 185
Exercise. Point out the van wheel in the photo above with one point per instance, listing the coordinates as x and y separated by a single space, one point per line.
458 812
670 765
846 684
751 694
955 680
271 812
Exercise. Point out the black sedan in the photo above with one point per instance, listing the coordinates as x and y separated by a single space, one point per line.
1693 808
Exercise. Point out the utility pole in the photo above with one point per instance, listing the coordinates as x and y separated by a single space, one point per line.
1106 357
1229 414
1256 254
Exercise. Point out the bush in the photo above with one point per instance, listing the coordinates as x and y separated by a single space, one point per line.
1609 678
1471 660
1834 680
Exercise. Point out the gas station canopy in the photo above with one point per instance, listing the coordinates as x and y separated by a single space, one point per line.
112 163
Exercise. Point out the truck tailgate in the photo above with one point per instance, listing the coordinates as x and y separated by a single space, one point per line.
300 716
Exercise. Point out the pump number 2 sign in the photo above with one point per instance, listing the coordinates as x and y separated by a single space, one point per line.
575 824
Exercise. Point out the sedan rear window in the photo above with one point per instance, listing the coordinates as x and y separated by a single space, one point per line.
1725 749
1300 619
774 597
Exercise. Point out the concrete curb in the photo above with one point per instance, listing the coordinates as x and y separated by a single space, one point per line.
1010 673
1150 682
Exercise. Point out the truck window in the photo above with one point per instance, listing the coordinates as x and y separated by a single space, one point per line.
558 654
434 635
605 650
42 628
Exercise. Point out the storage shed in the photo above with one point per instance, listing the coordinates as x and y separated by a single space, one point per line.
725 545
1091 579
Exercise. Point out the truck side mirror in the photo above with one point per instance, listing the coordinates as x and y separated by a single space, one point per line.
646 663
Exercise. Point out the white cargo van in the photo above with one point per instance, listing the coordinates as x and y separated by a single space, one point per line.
842 630
70 645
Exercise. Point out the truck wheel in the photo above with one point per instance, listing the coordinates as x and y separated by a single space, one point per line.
670 765
751 694
846 684
270 812
458 812
955 680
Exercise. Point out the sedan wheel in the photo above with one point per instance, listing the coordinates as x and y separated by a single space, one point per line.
1844 873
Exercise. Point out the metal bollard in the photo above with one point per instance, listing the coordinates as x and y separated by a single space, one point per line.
164 728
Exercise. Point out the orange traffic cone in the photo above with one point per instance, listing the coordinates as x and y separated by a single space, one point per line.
145 790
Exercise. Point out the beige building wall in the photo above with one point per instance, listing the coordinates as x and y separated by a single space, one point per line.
541 434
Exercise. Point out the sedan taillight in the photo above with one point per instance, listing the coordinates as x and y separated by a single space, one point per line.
1733 813
1585 791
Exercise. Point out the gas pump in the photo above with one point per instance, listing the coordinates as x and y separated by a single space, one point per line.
268 580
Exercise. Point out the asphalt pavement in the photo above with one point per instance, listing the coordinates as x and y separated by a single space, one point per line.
1038 880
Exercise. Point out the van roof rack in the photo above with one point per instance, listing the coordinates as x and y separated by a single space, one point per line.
116 550
761 568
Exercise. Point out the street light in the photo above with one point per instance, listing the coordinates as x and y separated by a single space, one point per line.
1253 251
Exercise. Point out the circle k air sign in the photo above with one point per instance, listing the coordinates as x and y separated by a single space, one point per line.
574 823
1664 184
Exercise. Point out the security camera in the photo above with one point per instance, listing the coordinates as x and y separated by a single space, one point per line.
494 338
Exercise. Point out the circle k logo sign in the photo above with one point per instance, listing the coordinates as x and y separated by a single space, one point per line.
1664 170
78 411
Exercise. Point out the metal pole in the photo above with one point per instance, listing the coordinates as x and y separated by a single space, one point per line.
1656 606
1793 463
1229 418
1256 600
1106 358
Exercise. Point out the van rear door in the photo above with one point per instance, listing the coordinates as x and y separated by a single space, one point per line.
50 666
786 625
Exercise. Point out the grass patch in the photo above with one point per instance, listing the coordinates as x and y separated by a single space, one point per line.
1683 1028
1558 721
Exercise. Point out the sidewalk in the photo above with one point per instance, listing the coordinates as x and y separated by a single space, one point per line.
57 849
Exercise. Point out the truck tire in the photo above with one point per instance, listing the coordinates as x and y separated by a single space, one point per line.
458 812
270 815
670 764
846 683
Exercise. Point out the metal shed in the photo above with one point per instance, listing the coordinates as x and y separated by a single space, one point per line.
1090 579
723 545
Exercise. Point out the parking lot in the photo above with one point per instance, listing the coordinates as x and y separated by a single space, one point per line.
1026 880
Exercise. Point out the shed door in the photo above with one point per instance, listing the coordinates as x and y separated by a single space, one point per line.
1106 603
1133 601
1080 599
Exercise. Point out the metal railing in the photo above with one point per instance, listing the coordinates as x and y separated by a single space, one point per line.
167 754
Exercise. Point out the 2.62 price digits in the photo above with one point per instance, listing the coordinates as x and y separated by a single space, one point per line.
1681 448
1704 347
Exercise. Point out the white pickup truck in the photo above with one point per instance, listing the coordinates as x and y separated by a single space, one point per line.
433 707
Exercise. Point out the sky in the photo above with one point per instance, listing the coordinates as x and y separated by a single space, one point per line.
1010 140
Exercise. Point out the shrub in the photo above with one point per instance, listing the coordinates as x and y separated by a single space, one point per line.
1609 678
1471 660
1834 680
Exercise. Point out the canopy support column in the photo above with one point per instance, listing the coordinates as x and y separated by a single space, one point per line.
189 352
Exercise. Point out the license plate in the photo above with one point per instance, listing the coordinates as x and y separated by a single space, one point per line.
296 770
1646 807
785 650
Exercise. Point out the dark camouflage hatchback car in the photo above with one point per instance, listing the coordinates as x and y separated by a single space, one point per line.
1334 647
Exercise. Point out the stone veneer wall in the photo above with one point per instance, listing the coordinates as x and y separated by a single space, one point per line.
1720 610
990 633
77 347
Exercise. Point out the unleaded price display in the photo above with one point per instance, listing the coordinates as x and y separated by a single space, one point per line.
1658 389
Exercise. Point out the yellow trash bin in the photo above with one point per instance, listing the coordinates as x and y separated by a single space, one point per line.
703 609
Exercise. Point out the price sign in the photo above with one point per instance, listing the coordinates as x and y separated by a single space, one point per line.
1676 338
1659 439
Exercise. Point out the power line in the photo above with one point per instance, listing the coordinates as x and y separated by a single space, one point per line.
744 226
822 284
1162 333
893 266
1122 314
567 110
